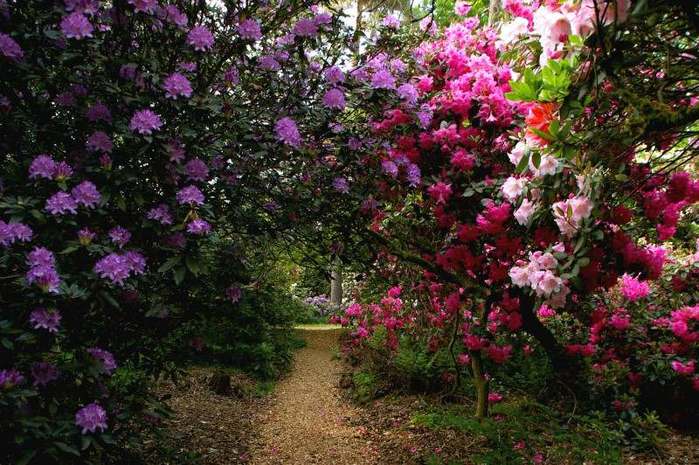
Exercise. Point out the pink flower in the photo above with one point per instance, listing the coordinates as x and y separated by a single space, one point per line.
633 289
440 192
462 8
620 320
495 397
683 368
545 312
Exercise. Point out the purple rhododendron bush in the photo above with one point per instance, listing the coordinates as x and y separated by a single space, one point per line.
514 187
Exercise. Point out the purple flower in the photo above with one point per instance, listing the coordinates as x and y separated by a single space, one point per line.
234 293
61 203
145 122
413 174
161 213
50 320
86 194
176 85
390 168
334 98
341 185
85 236
305 28
334 75
43 373
65 99
119 236
45 277
196 170
99 141
88 7
43 166
13 232
268 63
175 16
136 261
199 227
63 171
200 38
117 267
231 76
322 18
99 112
146 6
128 72
41 256
383 79
104 358
287 132
10 378
91 418
76 26
177 240
176 151
190 195
425 116
249 29
187 66
391 22
408 93
9 48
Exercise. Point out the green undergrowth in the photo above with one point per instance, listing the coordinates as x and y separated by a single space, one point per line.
519 429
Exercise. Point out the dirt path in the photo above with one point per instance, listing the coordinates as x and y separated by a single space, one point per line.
307 422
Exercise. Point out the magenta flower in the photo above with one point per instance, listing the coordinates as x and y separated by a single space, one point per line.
50 320
86 194
13 232
335 99
145 122
9 48
196 170
99 141
161 213
190 195
199 227
91 418
287 132
176 85
249 29
104 358
305 28
119 236
145 6
61 203
76 26
440 192
43 166
43 373
200 38
633 289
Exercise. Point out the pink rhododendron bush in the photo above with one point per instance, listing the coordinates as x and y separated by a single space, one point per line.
536 190
141 148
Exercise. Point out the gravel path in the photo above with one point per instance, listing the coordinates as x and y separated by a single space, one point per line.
307 422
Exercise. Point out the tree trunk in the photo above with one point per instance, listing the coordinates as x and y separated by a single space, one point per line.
492 11
336 284
481 383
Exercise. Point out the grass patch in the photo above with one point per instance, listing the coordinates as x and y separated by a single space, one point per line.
521 428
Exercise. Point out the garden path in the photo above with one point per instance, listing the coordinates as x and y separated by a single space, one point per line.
307 422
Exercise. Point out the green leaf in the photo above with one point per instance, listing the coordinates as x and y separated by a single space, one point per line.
192 265
69 250
26 458
110 300
66 448
169 264
536 159
523 163
179 274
